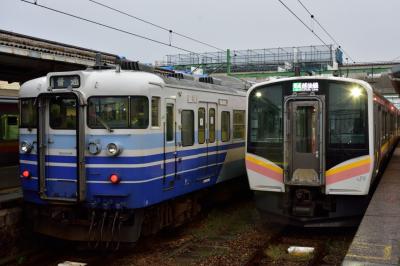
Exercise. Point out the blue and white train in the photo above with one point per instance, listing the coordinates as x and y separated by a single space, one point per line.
108 153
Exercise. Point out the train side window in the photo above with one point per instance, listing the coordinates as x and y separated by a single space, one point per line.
139 112
170 122
9 127
187 127
155 111
211 125
201 125
238 124
225 126
28 113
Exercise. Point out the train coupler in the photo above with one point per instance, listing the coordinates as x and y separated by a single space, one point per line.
303 203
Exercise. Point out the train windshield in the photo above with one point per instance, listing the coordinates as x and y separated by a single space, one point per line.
118 112
28 113
345 119
109 111
265 123
63 112
347 115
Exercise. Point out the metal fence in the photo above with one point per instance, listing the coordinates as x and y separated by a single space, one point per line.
272 59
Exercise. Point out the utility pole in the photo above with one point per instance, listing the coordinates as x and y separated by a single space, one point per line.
228 62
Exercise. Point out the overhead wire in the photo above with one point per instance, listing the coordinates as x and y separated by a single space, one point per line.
323 28
155 25
108 26
302 22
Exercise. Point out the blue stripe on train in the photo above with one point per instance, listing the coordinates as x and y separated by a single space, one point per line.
191 173
131 195
131 174
131 159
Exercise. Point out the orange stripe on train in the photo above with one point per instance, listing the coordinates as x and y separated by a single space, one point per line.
347 171
264 168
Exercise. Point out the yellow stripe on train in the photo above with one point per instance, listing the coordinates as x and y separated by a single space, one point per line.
264 164
351 165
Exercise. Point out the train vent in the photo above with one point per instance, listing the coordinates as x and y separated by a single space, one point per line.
129 65
206 80
180 76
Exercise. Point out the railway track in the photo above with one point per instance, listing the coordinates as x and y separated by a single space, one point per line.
227 235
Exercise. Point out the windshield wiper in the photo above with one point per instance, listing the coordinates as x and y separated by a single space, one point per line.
104 124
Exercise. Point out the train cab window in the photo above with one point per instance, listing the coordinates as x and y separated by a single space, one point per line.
170 122
238 124
265 127
108 112
225 126
28 113
201 125
211 125
139 112
155 111
187 127
63 112
265 116
347 116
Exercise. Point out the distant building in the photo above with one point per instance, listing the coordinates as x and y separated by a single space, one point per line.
4 85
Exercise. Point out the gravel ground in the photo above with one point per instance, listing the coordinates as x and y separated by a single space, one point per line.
225 235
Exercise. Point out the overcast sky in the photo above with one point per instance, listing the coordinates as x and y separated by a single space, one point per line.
368 30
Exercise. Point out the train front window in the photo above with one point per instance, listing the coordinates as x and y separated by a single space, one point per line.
265 130
28 113
139 112
62 112
108 111
347 116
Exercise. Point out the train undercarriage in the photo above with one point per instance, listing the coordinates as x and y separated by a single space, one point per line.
108 227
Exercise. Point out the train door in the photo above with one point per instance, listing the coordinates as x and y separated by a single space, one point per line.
61 153
170 152
206 122
303 135
212 143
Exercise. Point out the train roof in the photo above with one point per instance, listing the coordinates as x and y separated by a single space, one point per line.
201 85
125 81
361 82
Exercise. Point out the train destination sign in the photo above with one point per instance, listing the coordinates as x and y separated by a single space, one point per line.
63 82
305 86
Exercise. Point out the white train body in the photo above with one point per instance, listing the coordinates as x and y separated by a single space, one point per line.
126 139
313 142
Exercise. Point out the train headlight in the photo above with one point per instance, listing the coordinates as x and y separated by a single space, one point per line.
355 92
94 148
25 147
113 149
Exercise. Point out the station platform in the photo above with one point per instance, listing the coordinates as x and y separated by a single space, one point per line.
377 241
